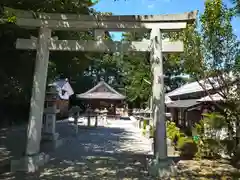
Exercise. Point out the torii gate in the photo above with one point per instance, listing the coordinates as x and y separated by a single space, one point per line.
71 22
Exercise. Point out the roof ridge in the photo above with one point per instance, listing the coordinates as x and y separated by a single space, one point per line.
111 88
59 82
102 82
169 94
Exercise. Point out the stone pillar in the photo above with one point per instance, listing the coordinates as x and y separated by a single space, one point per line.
101 118
50 112
33 159
89 120
76 124
104 116
97 113
38 93
49 126
75 113
76 117
96 120
158 105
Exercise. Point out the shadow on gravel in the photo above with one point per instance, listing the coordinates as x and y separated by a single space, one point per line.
125 118
99 154
12 144
96 153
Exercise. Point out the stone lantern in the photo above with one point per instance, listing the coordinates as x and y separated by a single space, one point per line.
104 114
50 112
75 113
89 112
97 113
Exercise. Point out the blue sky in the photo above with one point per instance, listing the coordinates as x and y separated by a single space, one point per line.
141 7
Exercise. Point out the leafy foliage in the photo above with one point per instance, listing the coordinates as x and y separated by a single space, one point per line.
215 120
213 52
210 144
204 144
187 147
183 143
125 73
173 132
17 66
137 68
237 5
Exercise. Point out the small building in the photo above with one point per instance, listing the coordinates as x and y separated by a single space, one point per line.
103 96
190 101
185 112
64 90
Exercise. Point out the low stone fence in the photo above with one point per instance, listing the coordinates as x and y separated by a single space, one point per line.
143 121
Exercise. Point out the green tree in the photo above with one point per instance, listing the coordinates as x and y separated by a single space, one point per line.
237 5
136 66
213 55
17 66
213 52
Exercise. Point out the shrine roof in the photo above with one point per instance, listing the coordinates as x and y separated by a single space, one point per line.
101 91
63 88
183 103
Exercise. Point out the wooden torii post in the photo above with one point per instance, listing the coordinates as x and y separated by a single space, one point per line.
46 22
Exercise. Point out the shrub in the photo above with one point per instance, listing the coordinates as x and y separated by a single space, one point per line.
215 120
145 123
187 147
209 148
209 144
236 158
151 131
144 128
229 146
173 132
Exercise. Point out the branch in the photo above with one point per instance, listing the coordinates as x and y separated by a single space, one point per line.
213 87
148 82
204 88
224 86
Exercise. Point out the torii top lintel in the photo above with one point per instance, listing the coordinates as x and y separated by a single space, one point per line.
58 21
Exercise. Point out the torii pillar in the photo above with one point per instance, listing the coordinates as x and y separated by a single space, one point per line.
158 105
161 166
33 158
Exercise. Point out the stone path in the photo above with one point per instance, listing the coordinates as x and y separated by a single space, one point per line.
116 152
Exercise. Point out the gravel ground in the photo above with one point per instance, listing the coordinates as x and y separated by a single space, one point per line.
114 152
207 170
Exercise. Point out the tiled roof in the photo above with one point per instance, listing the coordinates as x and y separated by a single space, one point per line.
194 87
64 88
94 94
167 99
215 97
183 103
100 95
